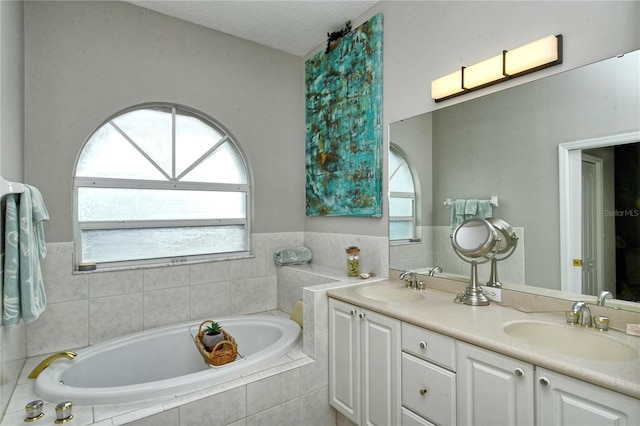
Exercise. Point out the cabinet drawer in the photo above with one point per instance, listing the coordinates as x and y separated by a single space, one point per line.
409 418
428 390
433 347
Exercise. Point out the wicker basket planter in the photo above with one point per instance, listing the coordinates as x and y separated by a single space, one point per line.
223 352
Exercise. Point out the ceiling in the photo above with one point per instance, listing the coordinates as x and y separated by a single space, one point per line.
293 26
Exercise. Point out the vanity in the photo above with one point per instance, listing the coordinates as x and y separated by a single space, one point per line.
415 357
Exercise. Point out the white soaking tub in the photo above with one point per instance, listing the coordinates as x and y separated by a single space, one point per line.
162 361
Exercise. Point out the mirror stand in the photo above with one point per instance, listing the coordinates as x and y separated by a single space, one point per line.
493 277
473 294
508 243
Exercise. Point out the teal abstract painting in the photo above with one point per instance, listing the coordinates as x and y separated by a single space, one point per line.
344 125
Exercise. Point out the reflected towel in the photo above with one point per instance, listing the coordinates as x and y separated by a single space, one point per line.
292 256
23 290
457 213
485 209
470 208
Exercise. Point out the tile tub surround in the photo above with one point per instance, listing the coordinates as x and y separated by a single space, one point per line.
483 325
289 388
90 307
296 384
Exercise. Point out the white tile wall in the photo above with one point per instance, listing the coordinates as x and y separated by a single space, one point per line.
87 308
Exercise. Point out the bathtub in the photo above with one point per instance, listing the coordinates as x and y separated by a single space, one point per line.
162 361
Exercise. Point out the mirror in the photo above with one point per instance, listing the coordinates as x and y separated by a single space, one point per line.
475 238
507 144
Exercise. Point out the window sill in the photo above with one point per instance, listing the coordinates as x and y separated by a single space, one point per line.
163 265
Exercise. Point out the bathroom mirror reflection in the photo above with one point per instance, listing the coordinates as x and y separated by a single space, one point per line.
506 144
472 239
475 238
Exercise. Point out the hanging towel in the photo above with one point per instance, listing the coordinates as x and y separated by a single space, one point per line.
470 208
23 290
292 256
457 213
485 209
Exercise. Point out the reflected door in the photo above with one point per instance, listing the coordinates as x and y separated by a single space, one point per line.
591 225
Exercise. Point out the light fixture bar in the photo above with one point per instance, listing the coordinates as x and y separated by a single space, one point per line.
526 59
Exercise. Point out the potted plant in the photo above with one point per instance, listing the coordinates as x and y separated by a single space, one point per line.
212 335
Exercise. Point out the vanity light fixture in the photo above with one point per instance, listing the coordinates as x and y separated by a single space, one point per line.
526 59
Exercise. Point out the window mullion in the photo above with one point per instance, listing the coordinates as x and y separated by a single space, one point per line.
140 150
152 184
398 194
173 143
202 157
133 224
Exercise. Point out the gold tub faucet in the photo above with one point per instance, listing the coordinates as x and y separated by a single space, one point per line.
48 360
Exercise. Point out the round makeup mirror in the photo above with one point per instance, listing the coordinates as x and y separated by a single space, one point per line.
506 247
473 239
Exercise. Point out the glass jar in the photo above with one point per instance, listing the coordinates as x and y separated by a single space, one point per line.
353 261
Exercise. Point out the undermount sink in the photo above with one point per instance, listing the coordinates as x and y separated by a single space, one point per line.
571 340
390 294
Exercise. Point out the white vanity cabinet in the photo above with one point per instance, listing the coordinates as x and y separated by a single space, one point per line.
428 377
364 364
563 400
493 389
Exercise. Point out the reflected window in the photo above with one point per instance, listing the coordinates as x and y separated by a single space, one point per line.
402 197
160 184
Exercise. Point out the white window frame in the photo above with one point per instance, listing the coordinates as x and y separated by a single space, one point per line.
400 194
171 184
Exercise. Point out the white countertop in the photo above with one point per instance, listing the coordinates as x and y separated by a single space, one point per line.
483 326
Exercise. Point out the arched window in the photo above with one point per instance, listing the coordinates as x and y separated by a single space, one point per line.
402 197
160 184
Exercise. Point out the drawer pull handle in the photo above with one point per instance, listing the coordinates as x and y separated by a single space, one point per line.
544 381
361 315
423 345
423 391
519 372
352 312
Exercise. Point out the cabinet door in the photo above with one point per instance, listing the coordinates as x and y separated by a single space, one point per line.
563 400
380 353
493 389
344 358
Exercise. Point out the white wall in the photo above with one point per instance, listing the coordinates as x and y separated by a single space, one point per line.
86 61
12 339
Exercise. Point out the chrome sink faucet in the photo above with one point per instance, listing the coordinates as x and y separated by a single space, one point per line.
603 296
435 269
411 281
583 312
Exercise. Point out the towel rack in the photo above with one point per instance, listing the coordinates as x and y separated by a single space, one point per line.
494 201
8 187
